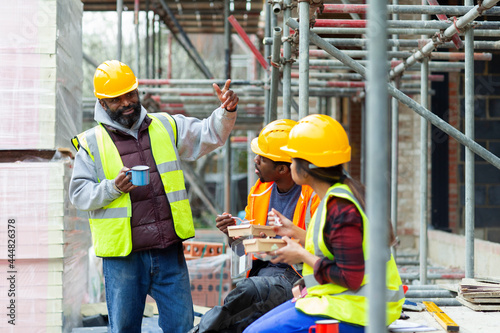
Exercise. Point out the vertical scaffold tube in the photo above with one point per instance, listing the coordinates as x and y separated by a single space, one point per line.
303 59
424 101
275 74
424 98
469 155
287 66
119 10
377 185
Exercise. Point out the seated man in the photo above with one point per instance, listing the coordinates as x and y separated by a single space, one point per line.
268 285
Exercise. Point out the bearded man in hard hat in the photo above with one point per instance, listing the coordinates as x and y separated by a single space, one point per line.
268 285
138 230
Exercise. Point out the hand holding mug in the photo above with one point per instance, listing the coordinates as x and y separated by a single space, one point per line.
122 181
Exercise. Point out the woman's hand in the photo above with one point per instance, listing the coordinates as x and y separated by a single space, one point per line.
285 227
292 253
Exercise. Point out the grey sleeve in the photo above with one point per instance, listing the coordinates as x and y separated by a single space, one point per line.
85 191
196 137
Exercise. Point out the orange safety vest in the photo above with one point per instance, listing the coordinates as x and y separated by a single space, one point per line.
260 195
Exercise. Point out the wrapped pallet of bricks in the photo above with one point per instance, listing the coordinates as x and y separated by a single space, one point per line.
44 249
210 279
40 73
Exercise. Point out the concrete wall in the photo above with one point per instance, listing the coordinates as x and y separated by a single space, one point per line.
448 250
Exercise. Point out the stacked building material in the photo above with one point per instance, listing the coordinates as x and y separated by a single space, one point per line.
43 243
198 250
210 279
44 248
40 73
480 294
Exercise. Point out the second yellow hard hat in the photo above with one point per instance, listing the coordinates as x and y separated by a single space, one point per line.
320 140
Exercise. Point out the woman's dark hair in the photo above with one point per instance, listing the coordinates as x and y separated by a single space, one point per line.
333 175
336 174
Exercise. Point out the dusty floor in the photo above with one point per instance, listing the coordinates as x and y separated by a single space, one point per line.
469 321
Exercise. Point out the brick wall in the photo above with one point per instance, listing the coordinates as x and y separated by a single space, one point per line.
487 134
408 172
354 131
453 153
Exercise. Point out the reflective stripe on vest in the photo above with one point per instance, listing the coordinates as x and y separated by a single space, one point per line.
333 300
110 225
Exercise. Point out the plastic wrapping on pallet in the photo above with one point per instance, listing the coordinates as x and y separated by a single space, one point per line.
48 260
210 279
40 73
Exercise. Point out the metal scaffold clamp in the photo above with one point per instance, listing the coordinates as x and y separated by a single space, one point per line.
277 6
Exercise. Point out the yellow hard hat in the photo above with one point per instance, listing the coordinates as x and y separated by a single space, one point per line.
320 140
113 78
271 138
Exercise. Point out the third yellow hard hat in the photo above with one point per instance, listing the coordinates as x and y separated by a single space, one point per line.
320 140
272 138
113 78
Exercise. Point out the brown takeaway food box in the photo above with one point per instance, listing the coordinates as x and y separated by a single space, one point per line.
250 230
263 244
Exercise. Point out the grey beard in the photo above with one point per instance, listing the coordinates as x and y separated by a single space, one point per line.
126 121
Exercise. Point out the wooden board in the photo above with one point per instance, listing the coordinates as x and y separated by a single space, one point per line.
482 299
478 307
494 294
488 279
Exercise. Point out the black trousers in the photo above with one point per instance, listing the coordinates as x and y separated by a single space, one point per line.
251 298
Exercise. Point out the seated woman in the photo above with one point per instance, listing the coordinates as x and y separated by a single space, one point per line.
336 241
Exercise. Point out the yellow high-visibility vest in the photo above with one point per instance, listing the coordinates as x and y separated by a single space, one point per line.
335 301
110 225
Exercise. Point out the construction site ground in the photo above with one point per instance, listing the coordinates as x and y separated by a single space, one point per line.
468 321
447 278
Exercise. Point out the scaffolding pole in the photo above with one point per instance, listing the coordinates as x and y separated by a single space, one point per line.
377 189
486 45
146 39
137 39
361 42
461 23
287 65
401 31
424 160
394 147
275 76
303 59
408 24
267 55
469 155
356 76
153 47
119 10
227 40
406 9
435 120
438 65
198 82
186 42
480 56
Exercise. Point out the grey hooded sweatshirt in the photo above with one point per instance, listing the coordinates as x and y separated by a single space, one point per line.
195 138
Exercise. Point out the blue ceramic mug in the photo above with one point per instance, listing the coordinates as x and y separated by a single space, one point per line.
140 175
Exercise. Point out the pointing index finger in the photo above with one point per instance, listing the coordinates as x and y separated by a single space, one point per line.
227 84
217 89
